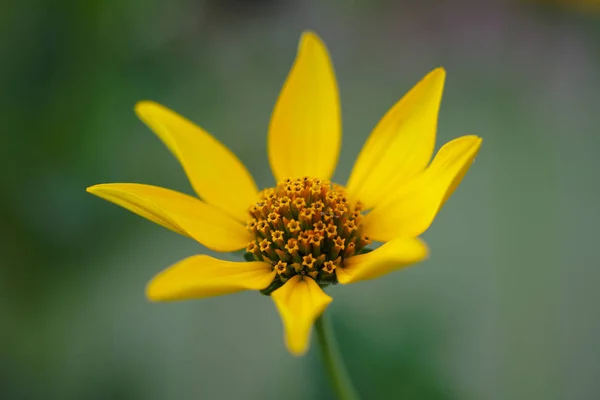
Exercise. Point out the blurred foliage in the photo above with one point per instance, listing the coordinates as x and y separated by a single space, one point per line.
506 307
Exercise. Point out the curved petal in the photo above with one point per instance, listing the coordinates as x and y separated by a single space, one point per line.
305 129
300 301
202 276
402 143
391 256
215 173
179 212
411 208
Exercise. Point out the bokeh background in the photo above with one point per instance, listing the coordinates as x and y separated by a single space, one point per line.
507 305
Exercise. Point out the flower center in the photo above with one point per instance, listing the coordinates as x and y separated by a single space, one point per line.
306 227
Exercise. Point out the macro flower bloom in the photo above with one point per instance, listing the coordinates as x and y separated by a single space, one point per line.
304 233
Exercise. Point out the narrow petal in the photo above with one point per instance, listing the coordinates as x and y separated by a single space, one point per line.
203 276
305 130
411 208
391 256
300 302
402 143
179 212
215 173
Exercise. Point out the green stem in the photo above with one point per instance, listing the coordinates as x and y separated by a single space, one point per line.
330 352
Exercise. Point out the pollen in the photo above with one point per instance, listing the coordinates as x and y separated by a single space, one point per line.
305 227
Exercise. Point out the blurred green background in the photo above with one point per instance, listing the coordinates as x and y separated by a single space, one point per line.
507 305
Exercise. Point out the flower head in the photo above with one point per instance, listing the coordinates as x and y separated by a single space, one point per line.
304 233
311 232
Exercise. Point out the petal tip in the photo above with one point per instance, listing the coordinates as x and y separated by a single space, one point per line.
467 143
102 188
421 249
152 292
144 107
96 190
159 287
91 189
438 75
474 141
297 349
142 104
440 71
310 41
310 36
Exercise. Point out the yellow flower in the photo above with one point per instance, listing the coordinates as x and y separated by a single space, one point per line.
305 233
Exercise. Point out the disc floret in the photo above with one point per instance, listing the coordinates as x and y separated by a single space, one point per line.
305 227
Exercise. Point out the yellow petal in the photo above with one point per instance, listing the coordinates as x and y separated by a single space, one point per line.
300 302
305 130
402 143
391 256
179 212
215 173
203 276
411 208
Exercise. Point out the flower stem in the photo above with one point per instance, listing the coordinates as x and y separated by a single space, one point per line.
330 353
